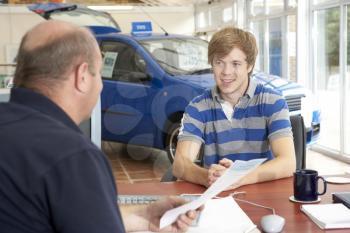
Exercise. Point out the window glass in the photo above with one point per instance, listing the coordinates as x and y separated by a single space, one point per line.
274 6
201 20
179 55
322 1
227 14
258 30
291 38
121 62
326 55
215 16
257 7
275 46
292 3
347 87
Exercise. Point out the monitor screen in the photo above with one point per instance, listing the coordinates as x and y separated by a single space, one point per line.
92 126
4 94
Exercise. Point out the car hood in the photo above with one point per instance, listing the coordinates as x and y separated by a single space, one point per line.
285 87
203 80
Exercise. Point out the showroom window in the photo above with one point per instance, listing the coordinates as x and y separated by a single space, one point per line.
274 24
331 73
211 16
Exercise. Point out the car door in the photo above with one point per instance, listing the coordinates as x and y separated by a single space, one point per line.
127 94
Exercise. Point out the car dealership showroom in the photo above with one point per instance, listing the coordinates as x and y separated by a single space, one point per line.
241 106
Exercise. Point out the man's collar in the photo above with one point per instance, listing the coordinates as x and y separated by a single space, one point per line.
249 92
42 104
251 88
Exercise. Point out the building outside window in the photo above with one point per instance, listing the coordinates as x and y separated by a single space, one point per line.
217 14
331 73
273 22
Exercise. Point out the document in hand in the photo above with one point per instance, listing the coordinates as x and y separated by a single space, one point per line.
232 175
328 216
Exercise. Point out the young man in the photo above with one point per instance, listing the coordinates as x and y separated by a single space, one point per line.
53 179
239 119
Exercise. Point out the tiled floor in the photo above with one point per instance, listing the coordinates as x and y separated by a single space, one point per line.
132 164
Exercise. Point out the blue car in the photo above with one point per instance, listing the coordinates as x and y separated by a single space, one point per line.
150 79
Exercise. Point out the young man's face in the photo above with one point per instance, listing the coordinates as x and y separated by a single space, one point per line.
231 73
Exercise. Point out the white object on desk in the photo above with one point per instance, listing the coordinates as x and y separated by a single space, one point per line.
232 175
223 215
337 180
328 216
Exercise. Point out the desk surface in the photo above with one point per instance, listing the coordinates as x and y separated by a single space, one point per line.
273 194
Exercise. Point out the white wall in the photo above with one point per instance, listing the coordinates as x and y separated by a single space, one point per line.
15 21
176 20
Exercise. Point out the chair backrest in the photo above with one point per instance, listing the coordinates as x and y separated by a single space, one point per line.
299 138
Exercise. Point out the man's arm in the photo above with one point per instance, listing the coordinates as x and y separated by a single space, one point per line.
184 166
147 217
283 165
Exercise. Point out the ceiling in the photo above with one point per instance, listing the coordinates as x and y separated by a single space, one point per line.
119 2
141 2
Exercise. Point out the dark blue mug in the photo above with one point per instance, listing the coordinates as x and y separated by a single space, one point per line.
306 185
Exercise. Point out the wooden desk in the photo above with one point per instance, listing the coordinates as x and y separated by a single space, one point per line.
273 194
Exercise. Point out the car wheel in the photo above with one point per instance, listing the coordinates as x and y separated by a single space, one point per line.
171 140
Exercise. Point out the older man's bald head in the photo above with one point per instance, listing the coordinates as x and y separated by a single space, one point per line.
49 31
50 50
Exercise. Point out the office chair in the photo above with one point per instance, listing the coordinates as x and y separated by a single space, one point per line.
299 138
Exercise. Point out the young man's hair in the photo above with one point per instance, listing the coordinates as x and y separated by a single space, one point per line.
223 41
49 63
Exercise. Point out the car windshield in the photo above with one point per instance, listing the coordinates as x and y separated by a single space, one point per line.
180 56
85 17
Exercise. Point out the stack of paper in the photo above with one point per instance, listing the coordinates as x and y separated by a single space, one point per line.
328 216
233 174
221 216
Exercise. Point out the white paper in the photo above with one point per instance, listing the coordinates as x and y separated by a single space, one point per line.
231 218
109 60
328 216
234 173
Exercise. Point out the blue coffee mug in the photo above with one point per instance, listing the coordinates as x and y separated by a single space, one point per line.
306 185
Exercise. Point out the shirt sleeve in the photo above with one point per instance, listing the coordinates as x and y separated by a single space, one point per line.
81 195
192 125
277 113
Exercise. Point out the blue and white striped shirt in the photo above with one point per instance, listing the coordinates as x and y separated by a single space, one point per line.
259 116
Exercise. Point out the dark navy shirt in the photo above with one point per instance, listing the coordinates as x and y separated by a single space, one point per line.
52 178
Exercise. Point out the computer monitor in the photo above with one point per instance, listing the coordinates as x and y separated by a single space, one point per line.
4 94
91 127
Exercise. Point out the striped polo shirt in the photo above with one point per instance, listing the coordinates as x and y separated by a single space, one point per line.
260 115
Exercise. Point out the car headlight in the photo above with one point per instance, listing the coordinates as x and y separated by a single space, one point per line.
308 106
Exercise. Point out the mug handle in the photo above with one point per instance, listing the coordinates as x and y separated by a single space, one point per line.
324 185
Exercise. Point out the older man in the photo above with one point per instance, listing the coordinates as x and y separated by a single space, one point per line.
52 178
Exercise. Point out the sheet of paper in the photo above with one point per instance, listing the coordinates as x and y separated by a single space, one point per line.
231 218
234 173
108 64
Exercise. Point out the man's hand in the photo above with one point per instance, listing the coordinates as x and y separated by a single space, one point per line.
156 210
216 170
